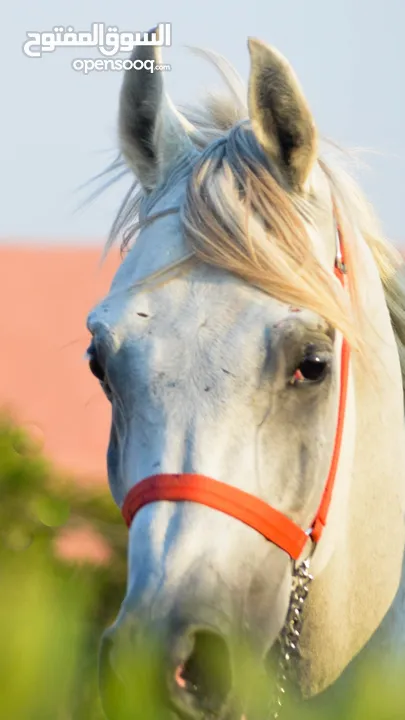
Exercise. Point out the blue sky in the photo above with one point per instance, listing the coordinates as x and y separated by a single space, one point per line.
58 127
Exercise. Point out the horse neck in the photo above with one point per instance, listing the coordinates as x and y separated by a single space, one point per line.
366 529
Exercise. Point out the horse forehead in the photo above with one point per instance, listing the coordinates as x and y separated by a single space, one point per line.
204 297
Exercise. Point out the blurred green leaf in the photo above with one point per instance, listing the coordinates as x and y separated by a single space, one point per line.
51 511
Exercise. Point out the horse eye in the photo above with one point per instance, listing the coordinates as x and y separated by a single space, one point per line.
312 369
94 364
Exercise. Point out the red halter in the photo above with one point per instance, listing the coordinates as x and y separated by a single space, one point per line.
259 515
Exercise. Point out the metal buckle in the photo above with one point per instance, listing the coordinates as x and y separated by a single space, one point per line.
339 264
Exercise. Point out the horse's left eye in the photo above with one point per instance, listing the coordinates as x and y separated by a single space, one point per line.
312 369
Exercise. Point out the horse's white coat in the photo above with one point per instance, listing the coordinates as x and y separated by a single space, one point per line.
197 365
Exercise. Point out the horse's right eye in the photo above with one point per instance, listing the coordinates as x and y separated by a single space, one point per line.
98 371
94 364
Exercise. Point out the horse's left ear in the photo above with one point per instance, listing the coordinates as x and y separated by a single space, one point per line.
281 119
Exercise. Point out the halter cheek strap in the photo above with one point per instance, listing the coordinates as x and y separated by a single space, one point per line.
252 511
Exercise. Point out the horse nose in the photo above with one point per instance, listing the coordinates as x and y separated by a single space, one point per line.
194 669
201 679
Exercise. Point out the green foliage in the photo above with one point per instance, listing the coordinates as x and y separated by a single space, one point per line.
52 612
37 502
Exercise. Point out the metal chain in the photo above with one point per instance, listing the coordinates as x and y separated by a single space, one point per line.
289 638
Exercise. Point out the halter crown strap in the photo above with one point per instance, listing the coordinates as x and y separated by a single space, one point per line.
252 511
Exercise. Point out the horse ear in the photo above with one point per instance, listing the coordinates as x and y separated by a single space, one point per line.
153 134
281 119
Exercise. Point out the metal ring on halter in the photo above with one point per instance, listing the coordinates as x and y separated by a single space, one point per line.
296 563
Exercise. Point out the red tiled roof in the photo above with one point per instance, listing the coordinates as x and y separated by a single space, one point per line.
45 295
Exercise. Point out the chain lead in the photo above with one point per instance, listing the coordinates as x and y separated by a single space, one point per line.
289 638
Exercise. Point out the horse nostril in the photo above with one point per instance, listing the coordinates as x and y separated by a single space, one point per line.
206 674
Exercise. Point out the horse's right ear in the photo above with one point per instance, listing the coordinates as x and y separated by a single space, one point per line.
153 135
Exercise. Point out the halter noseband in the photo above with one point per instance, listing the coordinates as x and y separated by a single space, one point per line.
257 514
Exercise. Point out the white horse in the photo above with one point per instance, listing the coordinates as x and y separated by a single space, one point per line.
219 348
